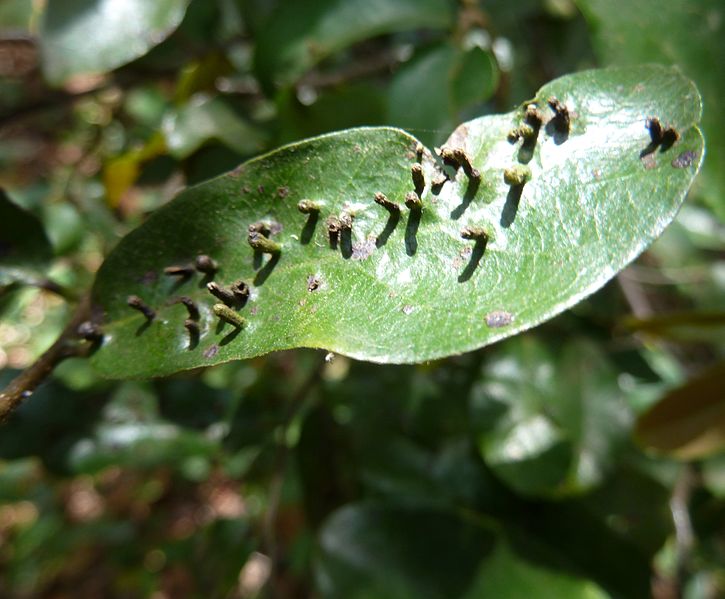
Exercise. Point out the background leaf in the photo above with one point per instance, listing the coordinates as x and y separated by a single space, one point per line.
551 422
399 290
88 37
688 421
299 34
25 250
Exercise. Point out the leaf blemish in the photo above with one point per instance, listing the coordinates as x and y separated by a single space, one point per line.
499 318
282 192
363 250
313 283
684 160
211 351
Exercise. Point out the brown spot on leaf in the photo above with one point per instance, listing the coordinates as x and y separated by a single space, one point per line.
648 161
499 318
361 251
211 351
260 188
313 283
282 192
684 160
149 277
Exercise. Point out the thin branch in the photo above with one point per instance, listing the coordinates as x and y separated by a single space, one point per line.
66 346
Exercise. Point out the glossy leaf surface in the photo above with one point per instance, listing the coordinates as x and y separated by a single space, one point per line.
409 288
80 37
549 420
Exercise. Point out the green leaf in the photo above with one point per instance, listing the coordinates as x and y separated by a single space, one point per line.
409 289
688 34
461 79
300 34
81 37
549 420
506 576
24 247
399 552
202 119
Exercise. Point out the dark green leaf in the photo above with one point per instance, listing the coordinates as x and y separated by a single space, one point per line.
80 37
301 33
550 419
24 248
399 552
395 289
202 119
428 94
506 576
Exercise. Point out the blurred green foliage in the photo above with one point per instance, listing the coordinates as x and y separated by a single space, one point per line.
498 473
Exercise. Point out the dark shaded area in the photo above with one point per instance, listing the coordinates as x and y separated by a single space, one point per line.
309 229
193 337
346 242
511 207
390 224
526 151
231 336
266 270
142 328
50 423
660 137
411 232
558 129
471 191
479 248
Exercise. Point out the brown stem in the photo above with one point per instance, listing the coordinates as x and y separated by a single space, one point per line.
66 346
